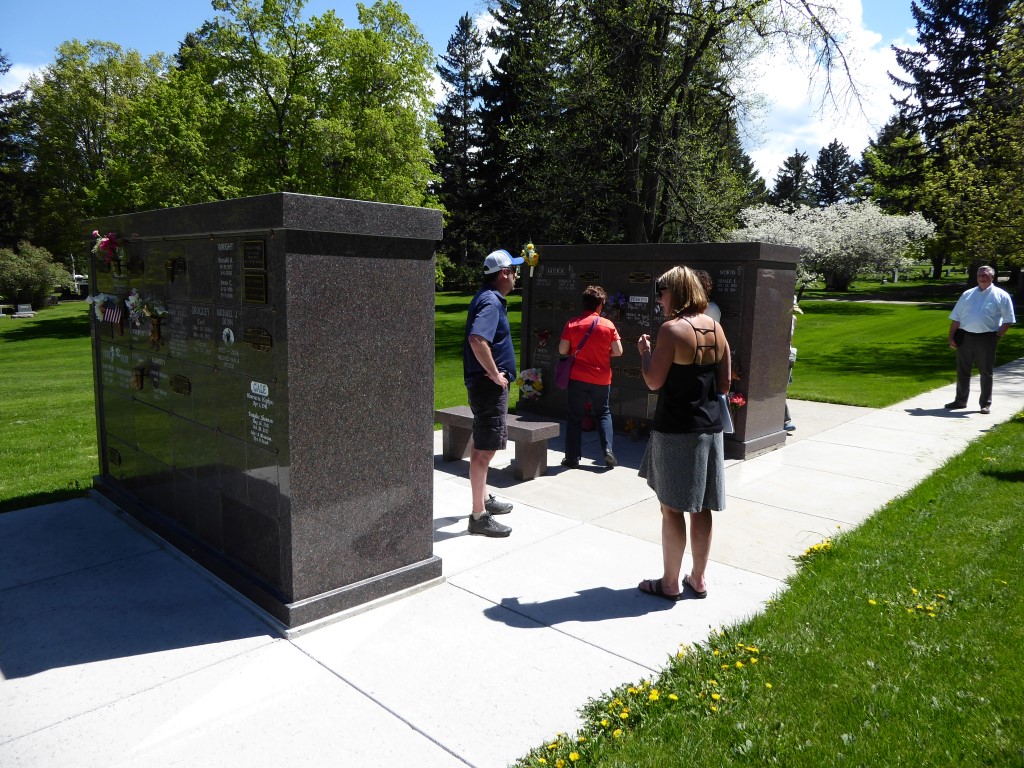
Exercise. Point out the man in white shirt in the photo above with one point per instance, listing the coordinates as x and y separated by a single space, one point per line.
983 314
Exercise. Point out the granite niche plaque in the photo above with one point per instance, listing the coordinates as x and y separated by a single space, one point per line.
753 285
267 412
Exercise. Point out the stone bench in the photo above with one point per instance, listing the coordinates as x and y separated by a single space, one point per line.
530 436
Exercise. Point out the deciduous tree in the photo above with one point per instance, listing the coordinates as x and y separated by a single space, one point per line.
840 241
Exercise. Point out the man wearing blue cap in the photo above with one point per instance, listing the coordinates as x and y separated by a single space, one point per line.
488 365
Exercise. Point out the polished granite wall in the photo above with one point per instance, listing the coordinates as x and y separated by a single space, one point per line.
754 287
277 424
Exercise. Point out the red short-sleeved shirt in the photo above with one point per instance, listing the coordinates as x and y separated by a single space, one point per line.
593 363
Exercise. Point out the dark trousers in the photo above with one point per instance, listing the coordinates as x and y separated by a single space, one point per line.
579 393
976 349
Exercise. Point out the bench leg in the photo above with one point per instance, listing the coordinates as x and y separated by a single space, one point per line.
531 459
455 442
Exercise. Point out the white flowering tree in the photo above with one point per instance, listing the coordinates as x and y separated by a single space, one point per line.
839 241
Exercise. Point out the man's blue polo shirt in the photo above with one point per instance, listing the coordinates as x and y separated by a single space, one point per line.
488 318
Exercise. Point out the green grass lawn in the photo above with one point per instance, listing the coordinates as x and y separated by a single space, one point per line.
48 451
449 329
874 354
895 644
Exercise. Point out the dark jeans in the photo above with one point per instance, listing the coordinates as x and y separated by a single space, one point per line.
579 394
976 349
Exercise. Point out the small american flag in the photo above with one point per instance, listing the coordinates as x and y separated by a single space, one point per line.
112 312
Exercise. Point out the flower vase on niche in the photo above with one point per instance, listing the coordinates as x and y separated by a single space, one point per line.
154 332
138 376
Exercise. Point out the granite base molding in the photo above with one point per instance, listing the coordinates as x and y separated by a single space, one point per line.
748 449
287 618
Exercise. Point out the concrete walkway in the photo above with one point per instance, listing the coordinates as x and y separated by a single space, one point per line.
116 651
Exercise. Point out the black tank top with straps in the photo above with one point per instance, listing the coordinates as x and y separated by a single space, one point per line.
688 401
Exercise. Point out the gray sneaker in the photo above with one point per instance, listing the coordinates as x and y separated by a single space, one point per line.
496 507
488 526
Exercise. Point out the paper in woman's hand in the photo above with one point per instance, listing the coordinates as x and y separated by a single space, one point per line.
723 402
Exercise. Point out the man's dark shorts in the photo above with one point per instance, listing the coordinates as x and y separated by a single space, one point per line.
489 404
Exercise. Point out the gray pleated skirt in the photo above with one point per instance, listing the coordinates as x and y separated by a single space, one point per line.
687 472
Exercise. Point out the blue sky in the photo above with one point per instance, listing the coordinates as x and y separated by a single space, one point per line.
789 120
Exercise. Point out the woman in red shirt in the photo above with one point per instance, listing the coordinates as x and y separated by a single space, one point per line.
591 378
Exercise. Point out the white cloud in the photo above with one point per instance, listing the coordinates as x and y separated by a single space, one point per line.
795 117
17 76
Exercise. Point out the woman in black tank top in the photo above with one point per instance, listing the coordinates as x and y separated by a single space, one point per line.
688 366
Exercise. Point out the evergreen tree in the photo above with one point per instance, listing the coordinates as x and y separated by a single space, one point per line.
518 114
457 158
950 67
835 174
794 184
752 183
894 166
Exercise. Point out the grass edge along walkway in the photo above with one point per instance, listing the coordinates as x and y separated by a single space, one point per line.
895 643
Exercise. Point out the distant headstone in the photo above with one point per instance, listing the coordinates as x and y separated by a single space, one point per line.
264 393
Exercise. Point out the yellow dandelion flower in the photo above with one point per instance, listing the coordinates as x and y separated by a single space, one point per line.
605 723
553 745
633 690
725 666
920 607
617 733
913 591
654 695
714 708
673 697
574 756
712 681
559 763
940 596
752 649
542 761
753 659
872 602
715 652
739 665
910 610
624 714
716 696
581 739
645 684
931 615
768 685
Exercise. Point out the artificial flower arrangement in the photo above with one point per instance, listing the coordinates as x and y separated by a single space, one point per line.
530 383
530 256
102 304
737 400
108 247
139 308
618 300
